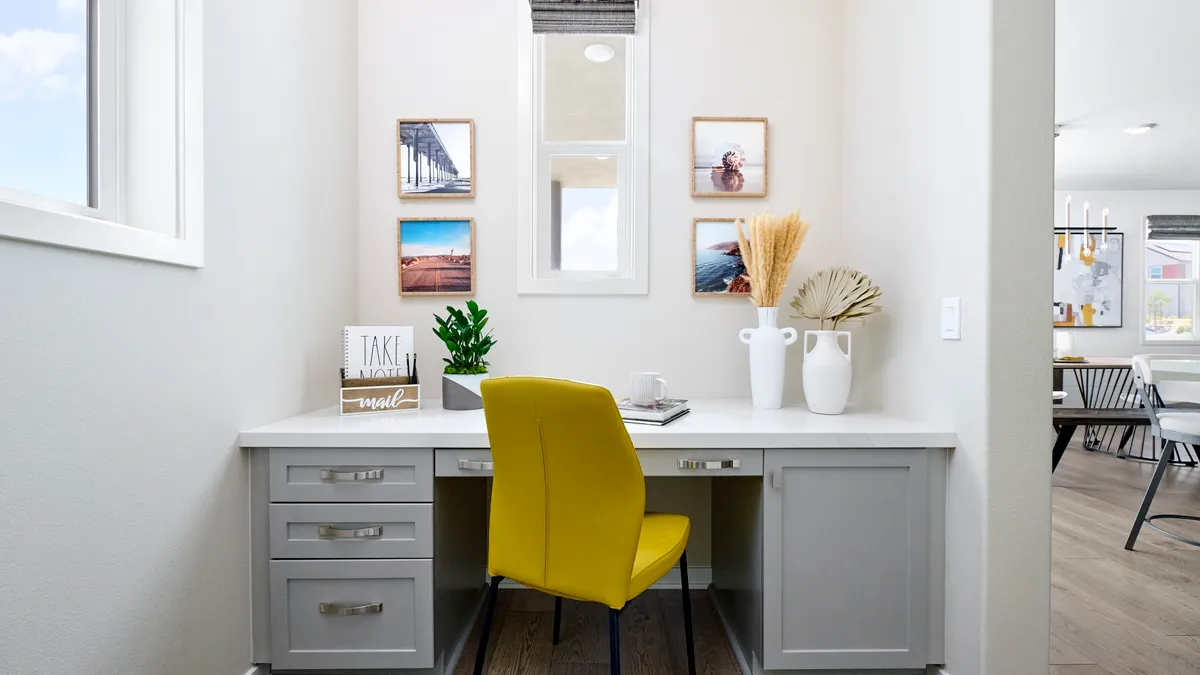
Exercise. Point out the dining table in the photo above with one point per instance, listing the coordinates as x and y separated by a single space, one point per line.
1107 382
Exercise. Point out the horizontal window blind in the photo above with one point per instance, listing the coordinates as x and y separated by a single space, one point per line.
613 17
1174 227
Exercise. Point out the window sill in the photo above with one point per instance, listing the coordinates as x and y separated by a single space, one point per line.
42 226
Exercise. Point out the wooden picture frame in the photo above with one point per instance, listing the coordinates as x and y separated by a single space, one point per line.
695 254
730 188
447 185
422 284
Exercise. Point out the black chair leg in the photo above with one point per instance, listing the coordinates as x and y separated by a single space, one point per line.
687 614
557 617
489 610
614 641
1163 460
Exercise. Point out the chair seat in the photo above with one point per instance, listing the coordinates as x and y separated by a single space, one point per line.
664 537
1180 422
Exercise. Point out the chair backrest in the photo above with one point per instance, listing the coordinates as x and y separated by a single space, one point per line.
568 494
1169 387
1143 368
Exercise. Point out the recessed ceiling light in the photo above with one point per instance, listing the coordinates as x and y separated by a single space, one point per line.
1140 129
599 53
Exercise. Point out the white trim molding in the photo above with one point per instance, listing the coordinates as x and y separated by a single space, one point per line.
106 226
534 270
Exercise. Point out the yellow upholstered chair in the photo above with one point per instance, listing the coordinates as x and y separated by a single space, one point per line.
568 504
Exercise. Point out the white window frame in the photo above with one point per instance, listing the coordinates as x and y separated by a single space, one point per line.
1147 284
102 227
534 275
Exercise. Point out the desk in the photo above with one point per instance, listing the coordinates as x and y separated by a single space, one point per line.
368 536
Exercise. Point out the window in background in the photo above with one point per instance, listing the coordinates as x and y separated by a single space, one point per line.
101 126
1170 290
584 114
45 104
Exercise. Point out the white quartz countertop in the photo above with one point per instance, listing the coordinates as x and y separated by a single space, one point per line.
731 423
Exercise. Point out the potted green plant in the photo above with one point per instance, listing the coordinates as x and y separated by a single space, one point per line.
462 333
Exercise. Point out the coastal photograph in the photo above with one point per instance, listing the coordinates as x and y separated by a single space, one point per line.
435 158
717 267
437 256
729 157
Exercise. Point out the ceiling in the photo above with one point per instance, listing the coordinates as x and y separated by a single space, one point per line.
1119 64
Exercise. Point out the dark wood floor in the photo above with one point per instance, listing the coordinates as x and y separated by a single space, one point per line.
652 641
1118 612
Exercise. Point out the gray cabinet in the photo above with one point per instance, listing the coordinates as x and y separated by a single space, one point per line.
351 614
846 567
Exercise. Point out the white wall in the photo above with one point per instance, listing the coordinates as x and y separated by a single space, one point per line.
785 66
947 175
125 383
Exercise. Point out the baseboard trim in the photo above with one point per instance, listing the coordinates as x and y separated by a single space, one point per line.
730 635
260 669
698 578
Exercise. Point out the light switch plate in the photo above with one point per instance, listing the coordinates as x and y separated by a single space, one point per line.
951 318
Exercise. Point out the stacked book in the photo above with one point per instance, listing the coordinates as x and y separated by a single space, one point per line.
658 413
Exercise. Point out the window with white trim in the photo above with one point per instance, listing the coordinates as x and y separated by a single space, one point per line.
100 126
584 115
1170 290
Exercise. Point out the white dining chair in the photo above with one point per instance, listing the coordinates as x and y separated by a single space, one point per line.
1173 426
1171 393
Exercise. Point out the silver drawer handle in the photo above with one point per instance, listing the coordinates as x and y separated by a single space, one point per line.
371 474
472 465
331 532
343 610
714 464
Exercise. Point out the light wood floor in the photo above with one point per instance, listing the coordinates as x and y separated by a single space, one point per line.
1113 612
652 641
1118 612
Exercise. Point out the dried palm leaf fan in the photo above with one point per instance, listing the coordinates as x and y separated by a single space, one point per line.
836 294
775 241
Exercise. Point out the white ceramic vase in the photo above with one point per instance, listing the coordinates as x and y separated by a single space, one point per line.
827 372
461 392
768 356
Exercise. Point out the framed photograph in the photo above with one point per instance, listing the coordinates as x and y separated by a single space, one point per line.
729 157
435 159
437 256
717 267
1088 288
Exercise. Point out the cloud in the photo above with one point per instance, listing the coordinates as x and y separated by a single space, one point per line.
35 61
589 238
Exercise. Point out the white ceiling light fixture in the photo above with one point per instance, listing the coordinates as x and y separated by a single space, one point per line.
1140 129
599 53
603 158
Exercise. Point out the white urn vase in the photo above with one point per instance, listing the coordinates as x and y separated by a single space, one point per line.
827 372
768 356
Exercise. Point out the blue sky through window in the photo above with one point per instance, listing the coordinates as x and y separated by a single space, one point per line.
43 98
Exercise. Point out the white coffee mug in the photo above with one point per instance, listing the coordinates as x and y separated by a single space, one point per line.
643 388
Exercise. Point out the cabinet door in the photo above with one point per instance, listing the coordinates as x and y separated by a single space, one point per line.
846 559
351 614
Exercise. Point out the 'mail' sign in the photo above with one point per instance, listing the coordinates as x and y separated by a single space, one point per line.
388 398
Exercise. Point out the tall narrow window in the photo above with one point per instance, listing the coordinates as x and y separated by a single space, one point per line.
584 115
1170 284
46 101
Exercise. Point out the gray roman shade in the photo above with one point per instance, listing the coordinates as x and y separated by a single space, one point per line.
1174 227
617 17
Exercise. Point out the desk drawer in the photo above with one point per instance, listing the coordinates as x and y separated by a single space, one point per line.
369 475
467 463
351 530
701 462
351 614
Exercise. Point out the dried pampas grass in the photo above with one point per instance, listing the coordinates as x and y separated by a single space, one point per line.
776 241
836 294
